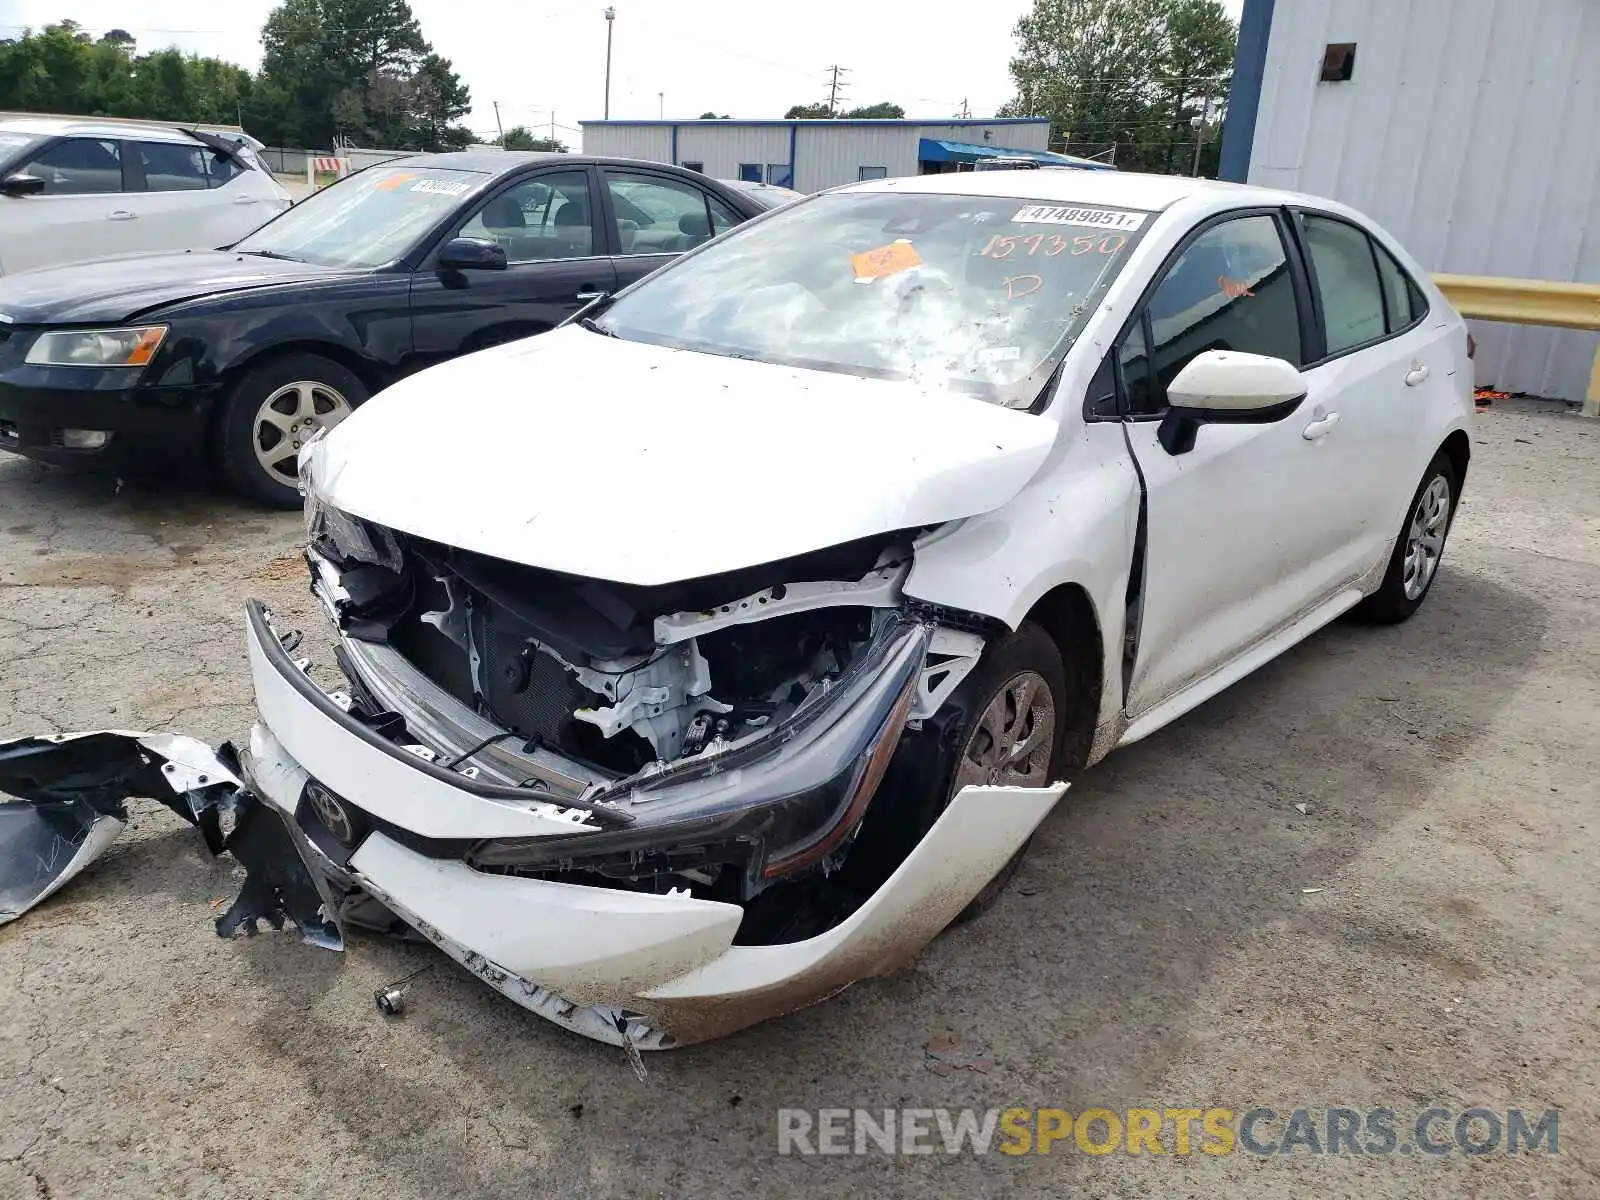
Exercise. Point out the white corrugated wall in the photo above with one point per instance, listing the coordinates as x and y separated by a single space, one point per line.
1468 131
826 156
652 142
723 146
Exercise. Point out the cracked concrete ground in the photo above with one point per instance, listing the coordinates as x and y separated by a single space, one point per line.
1157 948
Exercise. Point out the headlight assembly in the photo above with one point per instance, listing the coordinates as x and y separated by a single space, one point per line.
132 347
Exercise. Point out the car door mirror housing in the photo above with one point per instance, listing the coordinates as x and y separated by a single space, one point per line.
21 184
472 254
1228 387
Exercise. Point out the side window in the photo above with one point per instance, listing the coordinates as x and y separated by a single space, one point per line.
1399 292
172 168
865 173
780 175
1347 282
722 217
1133 361
79 166
658 216
1230 290
539 219
750 172
220 168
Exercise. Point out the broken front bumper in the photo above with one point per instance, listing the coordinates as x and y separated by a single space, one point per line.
624 967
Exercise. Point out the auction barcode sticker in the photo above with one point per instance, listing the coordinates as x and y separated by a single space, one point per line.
442 186
1093 218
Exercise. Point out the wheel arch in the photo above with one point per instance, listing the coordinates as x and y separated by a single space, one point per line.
1067 614
1458 449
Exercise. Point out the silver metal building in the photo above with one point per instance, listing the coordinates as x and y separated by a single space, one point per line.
811 155
1465 127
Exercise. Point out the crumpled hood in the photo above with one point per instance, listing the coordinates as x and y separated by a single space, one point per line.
114 289
639 464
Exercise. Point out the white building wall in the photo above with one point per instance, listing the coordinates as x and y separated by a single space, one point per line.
827 157
723 146
1467 131
652 142
826 153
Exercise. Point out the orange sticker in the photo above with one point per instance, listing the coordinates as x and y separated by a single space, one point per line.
395 180
897 256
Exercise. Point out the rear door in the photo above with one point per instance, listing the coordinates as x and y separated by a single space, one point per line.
654 217
546 224
174 206
1248 529
1384 363
85 211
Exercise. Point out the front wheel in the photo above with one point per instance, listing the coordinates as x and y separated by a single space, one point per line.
1415 560
272 411
1013 738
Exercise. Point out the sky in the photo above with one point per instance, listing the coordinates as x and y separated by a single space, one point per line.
544 60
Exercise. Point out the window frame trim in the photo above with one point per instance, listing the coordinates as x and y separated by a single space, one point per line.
1299 213
1304 294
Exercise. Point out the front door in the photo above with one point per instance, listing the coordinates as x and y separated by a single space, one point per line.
556 265
1252 527
655 218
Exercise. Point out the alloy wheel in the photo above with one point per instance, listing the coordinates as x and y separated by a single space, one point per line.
1425 538
287 419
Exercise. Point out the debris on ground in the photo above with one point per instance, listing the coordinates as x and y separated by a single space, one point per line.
947 1052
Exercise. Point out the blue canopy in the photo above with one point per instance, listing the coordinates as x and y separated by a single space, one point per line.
938 150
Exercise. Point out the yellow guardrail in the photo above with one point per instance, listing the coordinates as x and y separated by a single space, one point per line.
1530 302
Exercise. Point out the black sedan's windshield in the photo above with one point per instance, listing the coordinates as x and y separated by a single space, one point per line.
979 293
366 220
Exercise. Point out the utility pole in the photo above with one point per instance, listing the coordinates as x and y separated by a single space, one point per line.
611 16
965 111
1200 131
497 125
661 104
833 88
552 124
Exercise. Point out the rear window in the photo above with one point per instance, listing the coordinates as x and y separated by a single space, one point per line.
980 294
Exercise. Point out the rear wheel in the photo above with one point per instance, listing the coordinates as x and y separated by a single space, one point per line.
1013 738
1414 562
272 411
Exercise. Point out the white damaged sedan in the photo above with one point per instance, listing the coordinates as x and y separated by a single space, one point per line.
723 646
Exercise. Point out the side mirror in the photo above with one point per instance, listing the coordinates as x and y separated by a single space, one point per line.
472 254
21 184
1228 387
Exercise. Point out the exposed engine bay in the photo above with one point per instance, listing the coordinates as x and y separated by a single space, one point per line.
652 702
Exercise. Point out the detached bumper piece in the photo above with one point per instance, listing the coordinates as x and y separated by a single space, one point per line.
67 804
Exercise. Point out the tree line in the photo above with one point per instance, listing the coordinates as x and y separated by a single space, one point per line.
1124 80
356 70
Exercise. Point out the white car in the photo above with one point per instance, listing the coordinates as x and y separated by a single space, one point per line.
72 190
728 643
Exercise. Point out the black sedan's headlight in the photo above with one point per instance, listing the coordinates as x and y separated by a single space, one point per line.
778 805
133 346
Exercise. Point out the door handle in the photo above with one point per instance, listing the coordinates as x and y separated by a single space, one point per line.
587 296
1417 374
1320 428
120 214
244 200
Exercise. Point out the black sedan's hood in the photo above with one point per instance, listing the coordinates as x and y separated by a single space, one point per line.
115 289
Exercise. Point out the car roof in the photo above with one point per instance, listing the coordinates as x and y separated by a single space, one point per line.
1119 189
498 162
89 127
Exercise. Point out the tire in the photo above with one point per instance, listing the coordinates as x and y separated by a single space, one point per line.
1027 652
1424 530
305 391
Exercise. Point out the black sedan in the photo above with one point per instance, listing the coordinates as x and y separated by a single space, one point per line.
239 355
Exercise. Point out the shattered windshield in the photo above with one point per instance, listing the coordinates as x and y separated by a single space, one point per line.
369 219
982 294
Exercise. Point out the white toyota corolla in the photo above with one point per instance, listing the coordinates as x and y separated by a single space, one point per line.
722 647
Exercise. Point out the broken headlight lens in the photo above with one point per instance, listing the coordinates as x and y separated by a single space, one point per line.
132 347
778 805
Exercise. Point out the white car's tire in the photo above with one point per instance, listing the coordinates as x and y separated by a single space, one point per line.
1414 562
